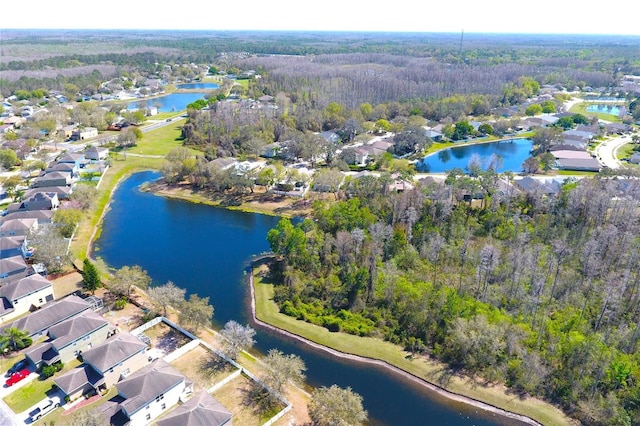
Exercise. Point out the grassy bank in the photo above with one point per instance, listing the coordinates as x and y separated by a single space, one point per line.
581 108
433 372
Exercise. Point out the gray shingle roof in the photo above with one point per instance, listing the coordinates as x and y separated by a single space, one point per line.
49 315
74 328
146 384
201 410
77 378
112 352
24 286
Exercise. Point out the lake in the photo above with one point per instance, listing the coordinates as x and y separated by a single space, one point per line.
513 152
604 108
172 102
204 249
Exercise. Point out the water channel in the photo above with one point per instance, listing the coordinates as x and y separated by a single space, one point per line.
203 249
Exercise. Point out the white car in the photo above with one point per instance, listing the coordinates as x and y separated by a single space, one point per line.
43 409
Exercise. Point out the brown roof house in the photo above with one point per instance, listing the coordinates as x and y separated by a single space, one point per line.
104 365
13 268
70 338
201 410
52 179
147 394
18 227
19 297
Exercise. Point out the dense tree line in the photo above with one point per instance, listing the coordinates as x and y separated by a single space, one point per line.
539 292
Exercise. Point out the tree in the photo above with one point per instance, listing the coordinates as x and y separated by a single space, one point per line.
548 107
238 338
282 369
334 406
66 220
533 109
412 139
531 165
84 196
196 312
128 277
8 159
485 129
10 184
90 276
166 295
130 136
14 339
51 249
462 130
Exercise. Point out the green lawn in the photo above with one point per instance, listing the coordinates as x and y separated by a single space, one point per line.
626 151
433 372
58 417
26 396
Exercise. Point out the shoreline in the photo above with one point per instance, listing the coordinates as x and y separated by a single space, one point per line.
392 368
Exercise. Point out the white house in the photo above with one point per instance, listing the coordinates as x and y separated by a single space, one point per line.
18 297
147 394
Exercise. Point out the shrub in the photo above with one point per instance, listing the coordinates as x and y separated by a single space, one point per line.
120 304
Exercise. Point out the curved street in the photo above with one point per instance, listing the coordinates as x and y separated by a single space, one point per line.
606 151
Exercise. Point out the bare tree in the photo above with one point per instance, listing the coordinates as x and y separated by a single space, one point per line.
166 295
334 406
237 338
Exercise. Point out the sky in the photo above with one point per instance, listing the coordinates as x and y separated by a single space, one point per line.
470 16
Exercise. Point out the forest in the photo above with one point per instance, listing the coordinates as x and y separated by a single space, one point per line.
541 293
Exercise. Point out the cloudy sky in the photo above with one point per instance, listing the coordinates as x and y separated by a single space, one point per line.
488 16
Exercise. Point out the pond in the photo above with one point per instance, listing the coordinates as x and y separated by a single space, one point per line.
200 85
512 153
605 109
204 249
173 102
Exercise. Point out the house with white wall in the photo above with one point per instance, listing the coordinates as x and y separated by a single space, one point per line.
18 297
146 394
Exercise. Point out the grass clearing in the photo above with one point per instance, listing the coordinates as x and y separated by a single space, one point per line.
431 371
235 396
581 108
203 367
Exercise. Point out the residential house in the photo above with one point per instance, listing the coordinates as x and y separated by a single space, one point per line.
65 132
635 158
14 246
224 163
200 410
580 133
43 216
71 338
104 365
63 192
96 153
272 150
76 158
579 164
84 133
20 146
37 323
52 179
371 151
617 128
40 201
19 297
147 394
18 227
70 168
330 136
434 135
528 184
571 154
13 268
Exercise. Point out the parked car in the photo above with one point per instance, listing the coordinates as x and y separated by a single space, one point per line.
42 410
20 365
17 376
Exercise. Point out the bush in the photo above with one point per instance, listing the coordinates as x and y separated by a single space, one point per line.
49 370
120 304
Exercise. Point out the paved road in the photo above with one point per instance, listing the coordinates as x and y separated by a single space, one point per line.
606 151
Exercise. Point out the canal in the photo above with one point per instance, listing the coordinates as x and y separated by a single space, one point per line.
203 249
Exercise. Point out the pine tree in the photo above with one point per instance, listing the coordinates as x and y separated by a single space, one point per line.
90 276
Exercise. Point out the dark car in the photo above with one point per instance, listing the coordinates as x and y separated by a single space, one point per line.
16 377
17 367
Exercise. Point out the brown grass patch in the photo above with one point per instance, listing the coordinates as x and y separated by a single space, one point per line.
166 338
235 396
203 367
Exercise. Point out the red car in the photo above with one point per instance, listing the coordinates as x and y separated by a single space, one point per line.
17 376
